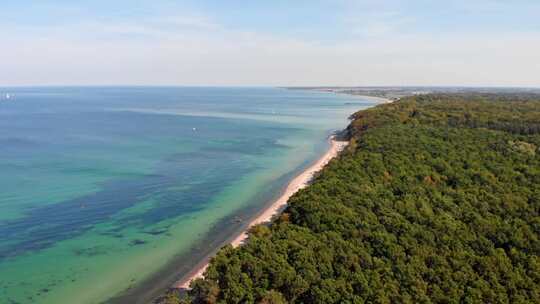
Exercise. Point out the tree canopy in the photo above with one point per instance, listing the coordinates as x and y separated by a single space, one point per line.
436 200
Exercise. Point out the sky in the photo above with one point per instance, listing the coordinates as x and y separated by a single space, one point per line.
270 43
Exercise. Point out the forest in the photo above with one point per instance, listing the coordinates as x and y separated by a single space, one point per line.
435 200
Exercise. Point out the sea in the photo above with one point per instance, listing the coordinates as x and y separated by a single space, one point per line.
110 194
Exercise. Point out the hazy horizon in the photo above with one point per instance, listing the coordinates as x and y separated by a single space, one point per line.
472 87
482 43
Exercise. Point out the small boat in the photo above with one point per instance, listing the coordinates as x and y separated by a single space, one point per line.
8 96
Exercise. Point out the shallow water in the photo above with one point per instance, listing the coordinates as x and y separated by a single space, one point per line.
102 187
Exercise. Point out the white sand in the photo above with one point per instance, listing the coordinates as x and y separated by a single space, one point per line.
372 98
299 182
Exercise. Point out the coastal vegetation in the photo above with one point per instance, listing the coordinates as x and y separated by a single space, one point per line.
435 200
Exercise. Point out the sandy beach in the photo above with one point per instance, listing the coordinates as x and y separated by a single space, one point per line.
299 182
371 98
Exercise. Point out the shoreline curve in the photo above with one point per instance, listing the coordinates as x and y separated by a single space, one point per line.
299 182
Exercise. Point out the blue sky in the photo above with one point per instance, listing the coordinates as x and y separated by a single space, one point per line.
340 42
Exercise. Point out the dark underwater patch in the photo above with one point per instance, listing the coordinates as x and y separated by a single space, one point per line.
91 251
137 242
206 173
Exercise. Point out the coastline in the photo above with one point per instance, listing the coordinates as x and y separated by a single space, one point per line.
379 100
375 99
299 182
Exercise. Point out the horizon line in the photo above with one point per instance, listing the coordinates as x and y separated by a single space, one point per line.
265 86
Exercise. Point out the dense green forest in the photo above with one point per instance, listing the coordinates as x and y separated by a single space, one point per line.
436 200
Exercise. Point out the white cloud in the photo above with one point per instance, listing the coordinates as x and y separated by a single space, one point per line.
493 6
196 51
379 24
193 22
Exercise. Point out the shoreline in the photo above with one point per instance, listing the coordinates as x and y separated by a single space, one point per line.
299 182
375 99
379 100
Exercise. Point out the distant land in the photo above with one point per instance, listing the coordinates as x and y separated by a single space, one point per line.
396 92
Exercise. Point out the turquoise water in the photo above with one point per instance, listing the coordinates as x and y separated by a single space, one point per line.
102 187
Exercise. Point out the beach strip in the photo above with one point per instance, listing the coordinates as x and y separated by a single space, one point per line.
299 182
